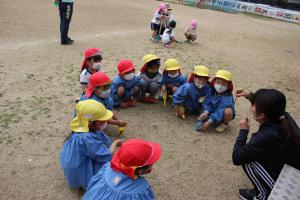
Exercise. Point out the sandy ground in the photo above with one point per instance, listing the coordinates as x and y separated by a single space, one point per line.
39 83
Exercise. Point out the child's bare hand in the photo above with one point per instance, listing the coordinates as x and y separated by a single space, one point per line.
244 124
203 116
163 88
121 123
242 93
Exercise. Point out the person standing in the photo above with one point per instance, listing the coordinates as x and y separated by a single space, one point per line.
65 13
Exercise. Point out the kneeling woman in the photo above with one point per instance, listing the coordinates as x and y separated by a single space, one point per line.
121 178
274 144
87 148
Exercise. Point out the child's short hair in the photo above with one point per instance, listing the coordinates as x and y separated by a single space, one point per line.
172 24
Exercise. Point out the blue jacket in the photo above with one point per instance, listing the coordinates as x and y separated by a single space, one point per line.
216 104
82 156
191 97
113 185
129 87
177 81
107 102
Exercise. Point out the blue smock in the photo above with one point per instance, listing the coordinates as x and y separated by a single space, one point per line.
82 156
128 85
216 104
191 97
177 81
107 102
108 184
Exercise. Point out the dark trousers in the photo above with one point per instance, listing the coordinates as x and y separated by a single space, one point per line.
261 179
65 13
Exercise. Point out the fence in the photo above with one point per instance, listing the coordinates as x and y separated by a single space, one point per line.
234 6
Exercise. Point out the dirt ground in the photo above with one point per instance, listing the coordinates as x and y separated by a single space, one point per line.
40 81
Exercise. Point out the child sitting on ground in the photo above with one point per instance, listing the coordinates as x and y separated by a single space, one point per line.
150 78
87 148
190 96
125 87
191 32
168 37
172 77
91 64
123 177
218 108
99 90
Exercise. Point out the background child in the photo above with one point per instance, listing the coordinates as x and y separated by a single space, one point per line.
125 87
172 77
168 38
87 148
218 108
191 95
150 78
122 177
91 64
157 21
191 32
99 90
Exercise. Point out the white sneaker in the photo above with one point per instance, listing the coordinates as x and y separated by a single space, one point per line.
222 127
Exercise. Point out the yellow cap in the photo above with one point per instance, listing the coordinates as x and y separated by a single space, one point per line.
149 57
224 75
86 111
201 70
172 64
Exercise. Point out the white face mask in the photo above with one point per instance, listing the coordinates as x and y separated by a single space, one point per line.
199 85
105 94
97 66
103 127
129 77
173 75
220 88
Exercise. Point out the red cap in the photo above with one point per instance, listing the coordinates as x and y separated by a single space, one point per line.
125 66
89 53
96 79
135 153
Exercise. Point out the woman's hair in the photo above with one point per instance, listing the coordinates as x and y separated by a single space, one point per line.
272 103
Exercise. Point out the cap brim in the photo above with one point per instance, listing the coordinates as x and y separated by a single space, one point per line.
108 115
199 74
226 79
128 70
174 68
156 154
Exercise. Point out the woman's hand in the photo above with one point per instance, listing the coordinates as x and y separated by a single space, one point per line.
244 124
242 93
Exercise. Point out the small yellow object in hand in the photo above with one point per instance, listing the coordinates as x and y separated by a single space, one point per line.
165 96
121 130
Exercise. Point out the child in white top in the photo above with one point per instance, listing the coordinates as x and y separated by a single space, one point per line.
157 19
169 36
191 31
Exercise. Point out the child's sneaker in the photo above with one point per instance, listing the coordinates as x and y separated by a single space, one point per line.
168 46
198 126
222 127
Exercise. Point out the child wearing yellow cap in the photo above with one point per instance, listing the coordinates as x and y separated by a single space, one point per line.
190 96
172 77
151 78
218 108
87 148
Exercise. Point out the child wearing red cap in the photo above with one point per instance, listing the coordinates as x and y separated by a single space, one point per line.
99 90
157 20
121 178
125 87
91 64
